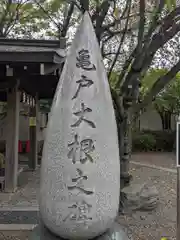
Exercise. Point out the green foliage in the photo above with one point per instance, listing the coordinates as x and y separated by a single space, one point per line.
169 100
54 5
25 18
147 140
149 79
169 97
143 142
113 79
171 4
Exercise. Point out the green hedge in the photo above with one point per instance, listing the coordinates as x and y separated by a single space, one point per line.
147 140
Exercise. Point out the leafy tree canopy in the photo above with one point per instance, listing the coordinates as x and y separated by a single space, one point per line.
168 99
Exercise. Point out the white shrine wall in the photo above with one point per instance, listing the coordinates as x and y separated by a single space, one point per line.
150 120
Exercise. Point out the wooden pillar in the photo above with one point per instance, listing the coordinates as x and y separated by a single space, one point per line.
33 154
12 137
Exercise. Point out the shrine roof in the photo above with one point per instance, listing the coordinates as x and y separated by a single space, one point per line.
16 50
36 63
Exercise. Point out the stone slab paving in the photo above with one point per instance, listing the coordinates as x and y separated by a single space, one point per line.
20 217
14 235
27 193
144 225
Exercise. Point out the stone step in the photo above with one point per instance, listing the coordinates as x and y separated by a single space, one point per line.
18 218
17 224
13 235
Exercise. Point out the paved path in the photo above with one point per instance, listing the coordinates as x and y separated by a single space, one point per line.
22 207
20 217
154 166
27 194
166 160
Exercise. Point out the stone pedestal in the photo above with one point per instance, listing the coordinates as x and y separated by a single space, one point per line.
115 233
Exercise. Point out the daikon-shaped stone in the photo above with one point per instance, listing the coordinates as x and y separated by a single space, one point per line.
80 172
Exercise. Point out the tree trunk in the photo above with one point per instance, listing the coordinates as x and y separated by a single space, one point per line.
162 120
166 120
123 119
84 5
124 135
125 146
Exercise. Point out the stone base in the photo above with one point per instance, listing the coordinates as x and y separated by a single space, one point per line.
115 233
143 197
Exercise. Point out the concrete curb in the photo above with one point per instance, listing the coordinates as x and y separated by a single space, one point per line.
12 209
17 227
155 167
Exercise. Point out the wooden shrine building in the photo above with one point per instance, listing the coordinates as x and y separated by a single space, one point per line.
31 67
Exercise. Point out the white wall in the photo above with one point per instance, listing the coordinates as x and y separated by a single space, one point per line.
152 121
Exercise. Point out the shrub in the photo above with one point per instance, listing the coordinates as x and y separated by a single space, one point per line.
144 142
148 140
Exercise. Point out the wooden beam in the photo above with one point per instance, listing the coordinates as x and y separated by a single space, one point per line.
12 137
42 68
9 83
30 57
50 68
31 85
59 44
9 71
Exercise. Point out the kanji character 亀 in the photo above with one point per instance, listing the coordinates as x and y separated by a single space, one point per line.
83 82
79 211
79 183
83 61
81 114
84 148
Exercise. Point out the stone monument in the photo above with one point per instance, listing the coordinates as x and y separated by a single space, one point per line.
80 170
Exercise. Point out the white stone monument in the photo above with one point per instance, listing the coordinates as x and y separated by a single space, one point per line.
80 170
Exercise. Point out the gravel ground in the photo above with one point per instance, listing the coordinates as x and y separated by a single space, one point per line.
144 225
162 221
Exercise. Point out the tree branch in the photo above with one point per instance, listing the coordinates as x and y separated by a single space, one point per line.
14 17
140 59
84 5
75 3
67 20
144 59
99 20
141 25
96 13
157 87
154 21
128 6
48 15
4 15
127 64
